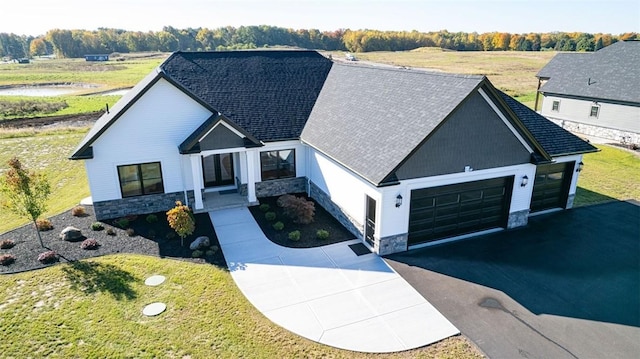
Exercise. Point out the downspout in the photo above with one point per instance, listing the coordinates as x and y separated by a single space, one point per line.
535 107
184 187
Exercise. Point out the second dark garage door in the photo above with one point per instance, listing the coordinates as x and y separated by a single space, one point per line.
447 211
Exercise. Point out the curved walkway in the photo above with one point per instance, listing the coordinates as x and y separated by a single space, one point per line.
327 294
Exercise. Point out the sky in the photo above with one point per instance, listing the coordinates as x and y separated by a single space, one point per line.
36 17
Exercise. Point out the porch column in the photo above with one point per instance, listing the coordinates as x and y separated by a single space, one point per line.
251 176
196 174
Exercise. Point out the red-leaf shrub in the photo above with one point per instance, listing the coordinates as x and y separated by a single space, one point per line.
89 243
297 208
48 257
7 259
6 244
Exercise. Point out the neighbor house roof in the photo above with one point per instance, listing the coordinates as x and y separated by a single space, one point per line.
269 94
611 73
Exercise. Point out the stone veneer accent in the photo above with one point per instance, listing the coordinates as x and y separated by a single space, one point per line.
355 227
570 200
392 244
280 186
597 131
139 205
518 219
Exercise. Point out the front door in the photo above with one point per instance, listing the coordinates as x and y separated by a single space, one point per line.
370 221
218 170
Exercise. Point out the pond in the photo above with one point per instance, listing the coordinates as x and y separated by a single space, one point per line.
44 90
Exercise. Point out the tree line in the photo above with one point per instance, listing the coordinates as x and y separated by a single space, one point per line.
77 43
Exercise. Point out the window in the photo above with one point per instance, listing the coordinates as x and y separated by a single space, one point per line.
278 164
140 179
555 106
594 111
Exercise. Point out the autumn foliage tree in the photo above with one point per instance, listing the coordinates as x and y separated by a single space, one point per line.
25 192
181 220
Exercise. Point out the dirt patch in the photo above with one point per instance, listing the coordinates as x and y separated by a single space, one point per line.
76 120
308 232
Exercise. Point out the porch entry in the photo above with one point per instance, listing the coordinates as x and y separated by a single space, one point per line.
217 170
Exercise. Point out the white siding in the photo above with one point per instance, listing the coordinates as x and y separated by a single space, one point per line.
343 187
611 115
148 131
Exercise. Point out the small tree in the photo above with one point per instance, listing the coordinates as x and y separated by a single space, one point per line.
25 191
181 220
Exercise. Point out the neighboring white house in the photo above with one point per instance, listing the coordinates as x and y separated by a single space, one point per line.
596 93
402 158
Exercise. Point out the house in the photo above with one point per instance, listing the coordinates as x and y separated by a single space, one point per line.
99 57
595 94
403 158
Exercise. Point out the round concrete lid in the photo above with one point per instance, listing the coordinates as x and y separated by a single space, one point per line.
154 280
154 309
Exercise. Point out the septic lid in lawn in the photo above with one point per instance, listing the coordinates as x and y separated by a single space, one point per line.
154 280
154 309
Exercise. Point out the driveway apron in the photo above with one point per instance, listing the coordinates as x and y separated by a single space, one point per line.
327 294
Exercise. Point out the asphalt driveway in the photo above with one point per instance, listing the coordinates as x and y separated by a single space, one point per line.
566 286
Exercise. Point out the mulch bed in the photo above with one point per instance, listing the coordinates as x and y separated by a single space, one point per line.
149 238
321 220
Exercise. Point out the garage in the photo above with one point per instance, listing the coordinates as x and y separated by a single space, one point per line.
551 186
447 211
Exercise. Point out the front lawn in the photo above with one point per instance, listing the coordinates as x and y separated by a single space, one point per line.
93 309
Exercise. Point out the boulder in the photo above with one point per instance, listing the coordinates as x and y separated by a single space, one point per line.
199 243
71 234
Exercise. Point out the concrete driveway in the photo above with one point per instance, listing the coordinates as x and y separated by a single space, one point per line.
566 286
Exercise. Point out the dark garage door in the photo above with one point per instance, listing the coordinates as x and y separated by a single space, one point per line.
448 211
551 187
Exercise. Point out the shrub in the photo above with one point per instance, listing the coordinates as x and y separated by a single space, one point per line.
7 259
7 243
97 226
294 236
78 211
122 223
181 220
322 234
152 218
278 226
264 207
131 232
270 216
89 243
197 253
210 253
284 200
111 231
48 257
44 224
297 208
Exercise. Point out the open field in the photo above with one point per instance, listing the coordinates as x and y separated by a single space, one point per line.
93 309
510 71
103 76
46 152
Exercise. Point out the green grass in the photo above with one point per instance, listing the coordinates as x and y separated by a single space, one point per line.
93 309
611 174
76 104
46 152
510 71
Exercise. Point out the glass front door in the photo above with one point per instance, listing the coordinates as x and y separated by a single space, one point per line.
218 170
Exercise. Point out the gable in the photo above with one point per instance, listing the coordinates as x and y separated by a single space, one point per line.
473 135
216 133
221 137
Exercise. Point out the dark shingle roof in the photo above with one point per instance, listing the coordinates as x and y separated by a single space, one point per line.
370 118
554 140
270 94
612 73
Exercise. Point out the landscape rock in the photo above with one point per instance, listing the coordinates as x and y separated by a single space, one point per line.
71 234
199 243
